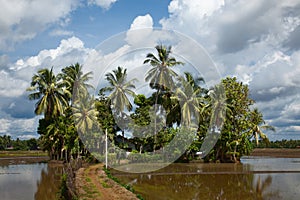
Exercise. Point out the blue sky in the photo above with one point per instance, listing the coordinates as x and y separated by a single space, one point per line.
256 41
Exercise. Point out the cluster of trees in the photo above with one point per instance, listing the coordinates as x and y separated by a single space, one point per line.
291 144
177 102
56 95
6 142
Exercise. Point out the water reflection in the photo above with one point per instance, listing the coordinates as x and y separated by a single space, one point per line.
48 184
38 181
220 181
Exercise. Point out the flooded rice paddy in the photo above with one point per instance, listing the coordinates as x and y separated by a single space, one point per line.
256 178
21 181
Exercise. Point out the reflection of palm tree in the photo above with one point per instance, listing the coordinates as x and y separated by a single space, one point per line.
257 121
47 185
261 187
49 92
120 89
189 95
161 75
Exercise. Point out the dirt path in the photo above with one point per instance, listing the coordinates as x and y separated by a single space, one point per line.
92 183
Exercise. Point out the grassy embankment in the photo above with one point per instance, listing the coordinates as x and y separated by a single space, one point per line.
12 154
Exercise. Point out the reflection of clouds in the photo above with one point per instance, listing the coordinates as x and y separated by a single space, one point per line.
283 186
20 181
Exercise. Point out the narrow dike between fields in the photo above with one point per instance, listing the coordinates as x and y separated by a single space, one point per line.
92 183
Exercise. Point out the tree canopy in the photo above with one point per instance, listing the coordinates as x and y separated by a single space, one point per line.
221 118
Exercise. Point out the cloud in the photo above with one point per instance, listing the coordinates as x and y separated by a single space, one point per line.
256 41
140 33
19 127
10 86
18 107
231 26
23 20
16 111
106 4
60 32
53 57
145 21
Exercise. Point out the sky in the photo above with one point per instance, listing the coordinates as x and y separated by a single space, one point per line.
256 41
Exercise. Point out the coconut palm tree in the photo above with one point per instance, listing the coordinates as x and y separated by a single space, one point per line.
161 75
75 81
56 133
218 106
120 90
85 115
189 95
257 122
49 92
195 82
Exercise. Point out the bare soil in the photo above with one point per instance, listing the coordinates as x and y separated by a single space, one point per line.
92 183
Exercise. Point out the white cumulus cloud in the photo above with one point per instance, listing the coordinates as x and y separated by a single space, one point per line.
22 20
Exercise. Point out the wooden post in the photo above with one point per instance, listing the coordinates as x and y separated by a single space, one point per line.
106 148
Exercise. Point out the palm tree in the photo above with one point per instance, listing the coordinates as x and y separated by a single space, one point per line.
49 92
195 83
119 90
85 115
75 80
161 75
218 104
188 93
85 120
218 108
257 120
56 133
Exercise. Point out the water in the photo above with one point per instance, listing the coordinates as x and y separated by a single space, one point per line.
38 181
257 178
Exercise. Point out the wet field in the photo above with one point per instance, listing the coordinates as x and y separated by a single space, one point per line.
254 178
27 179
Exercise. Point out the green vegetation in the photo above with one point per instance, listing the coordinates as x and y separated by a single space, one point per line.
90 189
54 99
63 193
7 143
13 153
192 112
289 144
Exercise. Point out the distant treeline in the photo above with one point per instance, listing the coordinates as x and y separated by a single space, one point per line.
279 144
7 143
